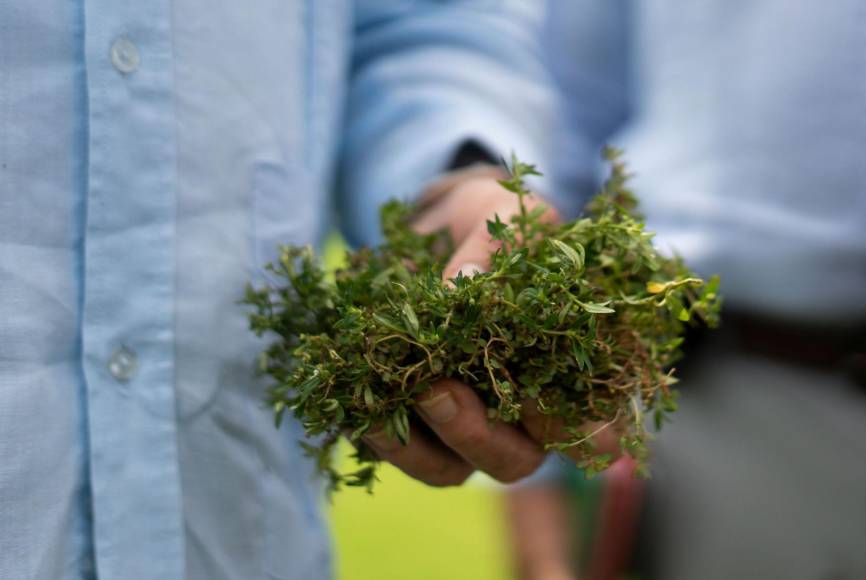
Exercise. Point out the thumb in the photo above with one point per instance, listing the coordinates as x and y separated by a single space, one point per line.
473 255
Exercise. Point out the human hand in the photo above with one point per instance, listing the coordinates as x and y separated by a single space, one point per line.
460 438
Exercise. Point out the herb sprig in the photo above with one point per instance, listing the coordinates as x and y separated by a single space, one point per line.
585 319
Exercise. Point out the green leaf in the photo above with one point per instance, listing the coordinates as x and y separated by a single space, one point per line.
570 253
411 319
369 400
279 411
596 308
401 425
496 228
360 431
509 185
508 292
581 357
388 322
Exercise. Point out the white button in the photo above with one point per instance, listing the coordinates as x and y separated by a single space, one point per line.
124 55
123 364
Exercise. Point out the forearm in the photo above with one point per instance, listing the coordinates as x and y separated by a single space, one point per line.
541 533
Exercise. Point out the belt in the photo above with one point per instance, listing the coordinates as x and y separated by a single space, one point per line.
827 347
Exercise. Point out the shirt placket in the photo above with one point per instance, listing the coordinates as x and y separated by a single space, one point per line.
128 321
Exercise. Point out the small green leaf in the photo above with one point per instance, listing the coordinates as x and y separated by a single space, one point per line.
509 185
401 425
411 319
508 292
279 411
388 322
369 400
360 431
496 228
331 405
596 308
570 253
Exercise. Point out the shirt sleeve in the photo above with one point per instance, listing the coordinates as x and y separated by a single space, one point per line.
553 471
587 49
428 76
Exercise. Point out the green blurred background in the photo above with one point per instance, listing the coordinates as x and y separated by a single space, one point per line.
408 530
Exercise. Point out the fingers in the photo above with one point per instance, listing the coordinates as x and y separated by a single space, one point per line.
466 440
448 182
476 246
462 202
473 255
459 418
422 458
464 207
547 429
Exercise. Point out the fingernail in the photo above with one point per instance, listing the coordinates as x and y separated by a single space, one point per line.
440 409
381 442
470 269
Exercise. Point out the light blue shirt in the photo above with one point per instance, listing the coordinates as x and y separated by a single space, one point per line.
152 156
744 125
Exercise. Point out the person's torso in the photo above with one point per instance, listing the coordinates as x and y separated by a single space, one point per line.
749 141
744 125
153 156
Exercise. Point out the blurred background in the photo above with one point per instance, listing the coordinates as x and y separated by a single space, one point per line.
407 530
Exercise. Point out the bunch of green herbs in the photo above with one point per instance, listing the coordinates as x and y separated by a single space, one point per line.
583 319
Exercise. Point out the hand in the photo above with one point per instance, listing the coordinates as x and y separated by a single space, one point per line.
460 438
462 201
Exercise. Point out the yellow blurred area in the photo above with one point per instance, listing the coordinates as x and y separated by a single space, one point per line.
406 530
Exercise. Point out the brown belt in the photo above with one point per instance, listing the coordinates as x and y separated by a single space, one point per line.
822 346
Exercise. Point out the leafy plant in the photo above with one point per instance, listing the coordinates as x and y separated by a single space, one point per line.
583 318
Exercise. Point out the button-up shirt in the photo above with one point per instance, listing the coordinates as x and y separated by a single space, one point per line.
744 126
152 156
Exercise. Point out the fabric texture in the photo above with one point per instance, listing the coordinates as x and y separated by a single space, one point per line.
743 126
152 156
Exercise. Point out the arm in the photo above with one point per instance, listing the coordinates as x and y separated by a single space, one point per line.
427 79
587 48
428 76
541 532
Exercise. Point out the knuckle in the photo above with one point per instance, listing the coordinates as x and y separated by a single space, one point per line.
438 471
543 429
449 477
479 182
536 431
383 444
471 436
405 457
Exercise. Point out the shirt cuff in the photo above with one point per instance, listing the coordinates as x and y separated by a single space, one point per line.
401 164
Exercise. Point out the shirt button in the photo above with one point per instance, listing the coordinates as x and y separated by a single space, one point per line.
123 364
124 55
